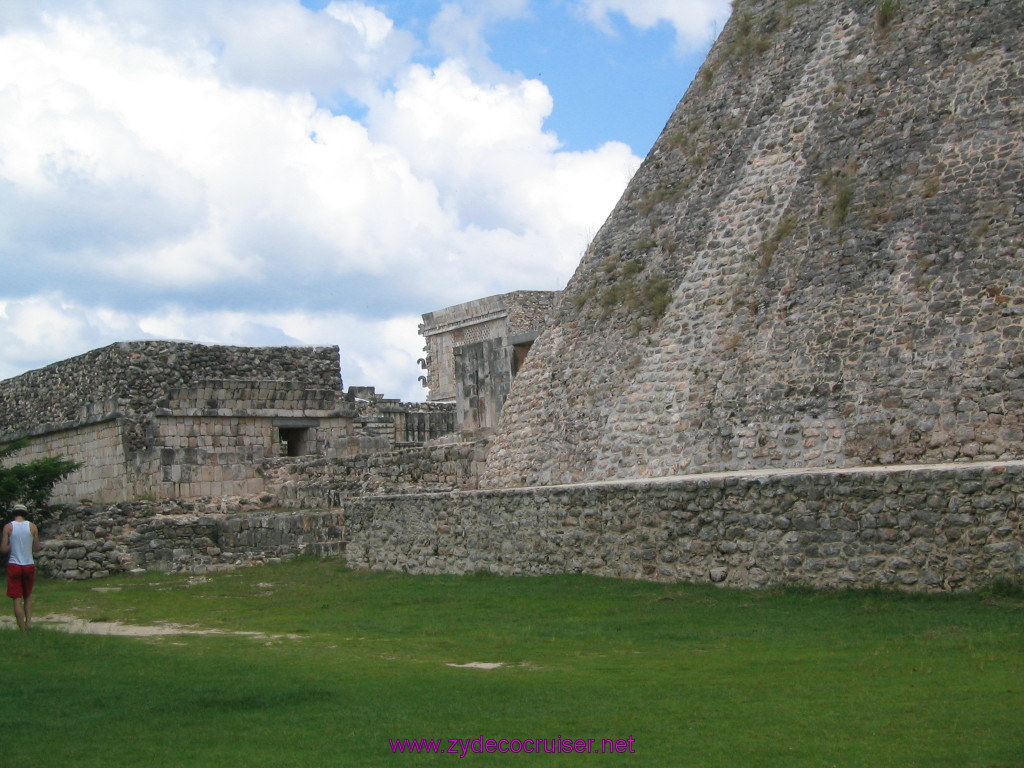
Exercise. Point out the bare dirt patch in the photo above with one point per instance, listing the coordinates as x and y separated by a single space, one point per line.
76 625
479 665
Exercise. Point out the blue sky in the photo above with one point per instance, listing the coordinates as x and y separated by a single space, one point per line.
275 172
618 82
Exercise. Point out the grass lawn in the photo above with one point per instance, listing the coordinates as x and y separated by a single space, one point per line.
347 660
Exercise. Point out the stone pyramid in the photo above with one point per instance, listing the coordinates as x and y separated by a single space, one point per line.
819 264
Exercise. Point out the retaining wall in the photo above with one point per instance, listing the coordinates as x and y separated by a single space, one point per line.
311 482
181 537
931 528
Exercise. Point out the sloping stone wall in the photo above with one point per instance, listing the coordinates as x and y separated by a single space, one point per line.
820 262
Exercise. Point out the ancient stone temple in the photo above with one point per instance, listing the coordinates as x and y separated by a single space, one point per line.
156 419
819 264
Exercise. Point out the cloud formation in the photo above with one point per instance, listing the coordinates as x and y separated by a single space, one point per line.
696 22
260 173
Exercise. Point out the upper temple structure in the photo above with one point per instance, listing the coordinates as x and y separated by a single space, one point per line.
474 350
819 264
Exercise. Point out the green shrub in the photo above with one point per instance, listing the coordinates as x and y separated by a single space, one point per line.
771 244
31 483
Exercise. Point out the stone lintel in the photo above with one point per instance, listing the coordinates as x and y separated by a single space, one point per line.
291 422
523 338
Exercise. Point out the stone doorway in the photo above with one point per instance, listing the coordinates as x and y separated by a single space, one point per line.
295 440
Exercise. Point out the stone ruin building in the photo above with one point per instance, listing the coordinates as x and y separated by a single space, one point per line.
158 419
794 353
474 351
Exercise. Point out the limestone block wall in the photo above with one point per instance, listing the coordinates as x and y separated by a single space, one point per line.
180 419
416 422
213 456
494 319
446 329
251 396
941 527
312 482
97 542
101 478
819 263
217 417
191 454
931 528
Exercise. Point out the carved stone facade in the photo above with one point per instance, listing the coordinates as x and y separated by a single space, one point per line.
474 350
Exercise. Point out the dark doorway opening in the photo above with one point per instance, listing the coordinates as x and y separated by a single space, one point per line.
519 353
295 440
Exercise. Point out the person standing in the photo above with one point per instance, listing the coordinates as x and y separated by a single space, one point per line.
21 540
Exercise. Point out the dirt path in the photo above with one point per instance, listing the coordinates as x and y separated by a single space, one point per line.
76 625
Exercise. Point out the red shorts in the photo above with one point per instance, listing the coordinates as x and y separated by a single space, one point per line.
20 580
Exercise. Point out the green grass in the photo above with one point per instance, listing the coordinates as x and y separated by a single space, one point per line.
698 676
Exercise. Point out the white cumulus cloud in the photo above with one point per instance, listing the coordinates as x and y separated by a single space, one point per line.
696 22
196 170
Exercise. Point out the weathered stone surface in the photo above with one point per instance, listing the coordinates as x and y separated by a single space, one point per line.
473 350
820 262
132 378
661 530
317 482
192 536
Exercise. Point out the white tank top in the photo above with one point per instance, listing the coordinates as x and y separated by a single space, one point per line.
21 543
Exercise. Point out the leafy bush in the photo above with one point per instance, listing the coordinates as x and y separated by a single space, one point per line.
31 483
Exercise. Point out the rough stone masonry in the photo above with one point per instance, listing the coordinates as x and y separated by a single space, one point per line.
938 527
819 264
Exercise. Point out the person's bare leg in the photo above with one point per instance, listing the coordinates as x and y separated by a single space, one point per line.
19 612
28 612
